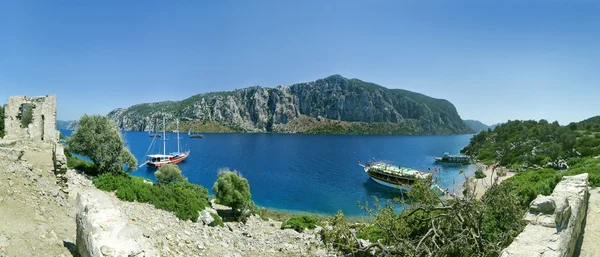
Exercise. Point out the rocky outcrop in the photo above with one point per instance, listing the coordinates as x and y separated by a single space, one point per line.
555 221
334 98
102 230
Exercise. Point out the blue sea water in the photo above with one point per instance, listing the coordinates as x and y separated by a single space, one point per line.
305 173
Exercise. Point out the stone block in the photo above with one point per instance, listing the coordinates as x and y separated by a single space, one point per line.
102 230
59 158
542 204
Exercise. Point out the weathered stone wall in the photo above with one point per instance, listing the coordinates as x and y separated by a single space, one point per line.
102 230
555 221
59 158
43 125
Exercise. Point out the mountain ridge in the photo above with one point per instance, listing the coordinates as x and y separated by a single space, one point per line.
333 104
476 125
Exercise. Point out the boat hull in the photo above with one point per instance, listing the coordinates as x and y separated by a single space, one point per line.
173 160
403 188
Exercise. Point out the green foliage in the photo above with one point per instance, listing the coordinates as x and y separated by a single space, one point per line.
529 184
588 165
182 198
26 114
299 223
479 174
74 162
1 121
233 190
217 222
168 173
431 226
98 138
531 143
373 233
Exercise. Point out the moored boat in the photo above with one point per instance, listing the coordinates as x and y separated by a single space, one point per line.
458 159
396 176
158 160
194 135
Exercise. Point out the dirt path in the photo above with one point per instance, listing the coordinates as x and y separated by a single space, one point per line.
484 184
591 237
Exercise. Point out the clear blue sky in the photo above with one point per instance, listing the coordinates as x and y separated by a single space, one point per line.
495 60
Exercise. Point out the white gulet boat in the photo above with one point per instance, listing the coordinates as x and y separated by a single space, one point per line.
398 177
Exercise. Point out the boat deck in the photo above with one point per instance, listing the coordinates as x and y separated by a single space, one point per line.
398 171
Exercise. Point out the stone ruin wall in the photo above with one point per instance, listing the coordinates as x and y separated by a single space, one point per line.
43 124
42 130
555 221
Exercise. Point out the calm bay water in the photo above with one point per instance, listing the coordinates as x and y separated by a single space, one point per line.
307 173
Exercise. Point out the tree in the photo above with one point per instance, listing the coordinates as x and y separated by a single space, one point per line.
99 139
169 173
233 190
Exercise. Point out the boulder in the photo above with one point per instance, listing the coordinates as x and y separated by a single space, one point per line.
102 230
542 204
205 217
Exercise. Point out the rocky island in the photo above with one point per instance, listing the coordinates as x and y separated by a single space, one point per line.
331 105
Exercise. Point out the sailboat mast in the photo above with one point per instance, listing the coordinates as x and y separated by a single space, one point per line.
164 137
178 150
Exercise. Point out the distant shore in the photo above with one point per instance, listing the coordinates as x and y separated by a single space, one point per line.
484 184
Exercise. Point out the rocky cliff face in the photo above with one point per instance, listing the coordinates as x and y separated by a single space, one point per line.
333 99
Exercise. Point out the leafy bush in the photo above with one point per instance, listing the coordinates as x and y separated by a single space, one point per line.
169 173
529 184
217 222
74 162
233 190
182 198
99 139
299 223
479 174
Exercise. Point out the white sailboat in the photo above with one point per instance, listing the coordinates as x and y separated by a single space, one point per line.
157 160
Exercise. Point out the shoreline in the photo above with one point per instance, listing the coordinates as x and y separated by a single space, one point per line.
482 185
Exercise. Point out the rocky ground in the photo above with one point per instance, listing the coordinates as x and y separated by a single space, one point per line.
37 217
38 214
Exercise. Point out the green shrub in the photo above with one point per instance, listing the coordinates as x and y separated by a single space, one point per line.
217 222
168 173
299 223
182 198
479 174
372 233
233 190
74 162
529 184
